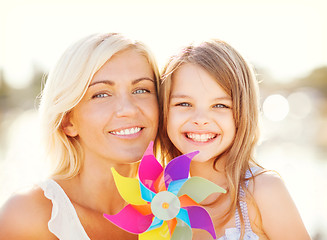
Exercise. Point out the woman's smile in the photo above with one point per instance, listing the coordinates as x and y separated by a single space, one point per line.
127 132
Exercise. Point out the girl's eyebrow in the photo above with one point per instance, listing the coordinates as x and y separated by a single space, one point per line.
179 96
112 83
216 99
224 98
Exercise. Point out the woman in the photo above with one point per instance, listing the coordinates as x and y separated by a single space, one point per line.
98 110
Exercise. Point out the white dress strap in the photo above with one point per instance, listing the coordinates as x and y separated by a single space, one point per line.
243 204
64 222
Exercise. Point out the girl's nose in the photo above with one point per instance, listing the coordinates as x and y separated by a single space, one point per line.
200 118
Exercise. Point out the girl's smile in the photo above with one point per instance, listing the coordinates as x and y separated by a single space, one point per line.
200 137
200 114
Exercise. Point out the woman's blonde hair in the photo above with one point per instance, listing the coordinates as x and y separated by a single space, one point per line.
237 78
66 85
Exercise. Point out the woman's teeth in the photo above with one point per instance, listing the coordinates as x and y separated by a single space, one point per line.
201 137
127 131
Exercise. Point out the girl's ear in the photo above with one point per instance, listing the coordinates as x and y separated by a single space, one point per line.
68 126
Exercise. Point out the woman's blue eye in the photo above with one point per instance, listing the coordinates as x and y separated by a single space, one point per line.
101 95
140 91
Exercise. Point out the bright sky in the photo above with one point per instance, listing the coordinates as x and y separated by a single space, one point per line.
286 37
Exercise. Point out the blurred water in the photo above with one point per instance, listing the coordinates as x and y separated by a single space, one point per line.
302 165
303 168
21 165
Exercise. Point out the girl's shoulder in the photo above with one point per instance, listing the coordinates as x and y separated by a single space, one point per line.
276 206
25 216
268 188
263 178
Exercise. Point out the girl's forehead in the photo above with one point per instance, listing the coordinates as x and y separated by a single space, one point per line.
191 79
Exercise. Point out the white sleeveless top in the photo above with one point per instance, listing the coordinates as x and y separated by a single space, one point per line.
235 233
64 222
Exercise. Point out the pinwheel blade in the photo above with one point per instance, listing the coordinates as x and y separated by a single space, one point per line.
129 188
159 184
156 222
146 193
130 220
143 209
200 218
174 186
186 201
183 215
149 169
182 231
161 233
172 225
178 168
199 188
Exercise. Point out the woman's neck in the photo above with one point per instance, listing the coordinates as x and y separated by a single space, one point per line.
94 186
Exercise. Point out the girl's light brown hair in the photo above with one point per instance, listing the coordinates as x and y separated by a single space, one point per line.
237 78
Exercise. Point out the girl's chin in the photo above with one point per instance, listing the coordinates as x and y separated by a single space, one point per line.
202 159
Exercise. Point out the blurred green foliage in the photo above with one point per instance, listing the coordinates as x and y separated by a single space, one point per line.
26 98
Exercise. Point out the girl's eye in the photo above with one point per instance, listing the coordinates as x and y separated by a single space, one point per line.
141 91
183 104
100 95
221 106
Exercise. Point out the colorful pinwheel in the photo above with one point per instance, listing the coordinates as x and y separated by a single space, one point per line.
163 203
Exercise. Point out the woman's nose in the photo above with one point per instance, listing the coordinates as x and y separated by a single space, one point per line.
126 107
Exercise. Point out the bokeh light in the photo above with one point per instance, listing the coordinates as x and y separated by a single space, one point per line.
300 104
275 107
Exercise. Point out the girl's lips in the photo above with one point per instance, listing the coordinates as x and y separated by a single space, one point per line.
200 137
126 131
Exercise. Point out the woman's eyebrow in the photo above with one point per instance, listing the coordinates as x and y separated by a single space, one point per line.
108 82
112 83
136 81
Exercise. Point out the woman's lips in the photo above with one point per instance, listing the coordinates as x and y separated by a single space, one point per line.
126 131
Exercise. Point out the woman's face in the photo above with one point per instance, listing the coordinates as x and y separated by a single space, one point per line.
118 115
200 115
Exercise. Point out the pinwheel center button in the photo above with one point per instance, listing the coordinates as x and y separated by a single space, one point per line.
165 205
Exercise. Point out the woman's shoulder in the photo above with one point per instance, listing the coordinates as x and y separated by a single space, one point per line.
25 216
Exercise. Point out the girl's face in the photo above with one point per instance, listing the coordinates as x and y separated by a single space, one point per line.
118 115
200 114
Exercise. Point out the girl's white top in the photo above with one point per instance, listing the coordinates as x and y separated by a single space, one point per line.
64 222
235 233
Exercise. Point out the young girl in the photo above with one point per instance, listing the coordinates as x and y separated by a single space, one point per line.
209 102
99 110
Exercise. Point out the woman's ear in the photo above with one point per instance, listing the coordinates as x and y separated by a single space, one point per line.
68 126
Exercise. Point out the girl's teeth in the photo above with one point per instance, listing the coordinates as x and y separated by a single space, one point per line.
201 137
128 131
